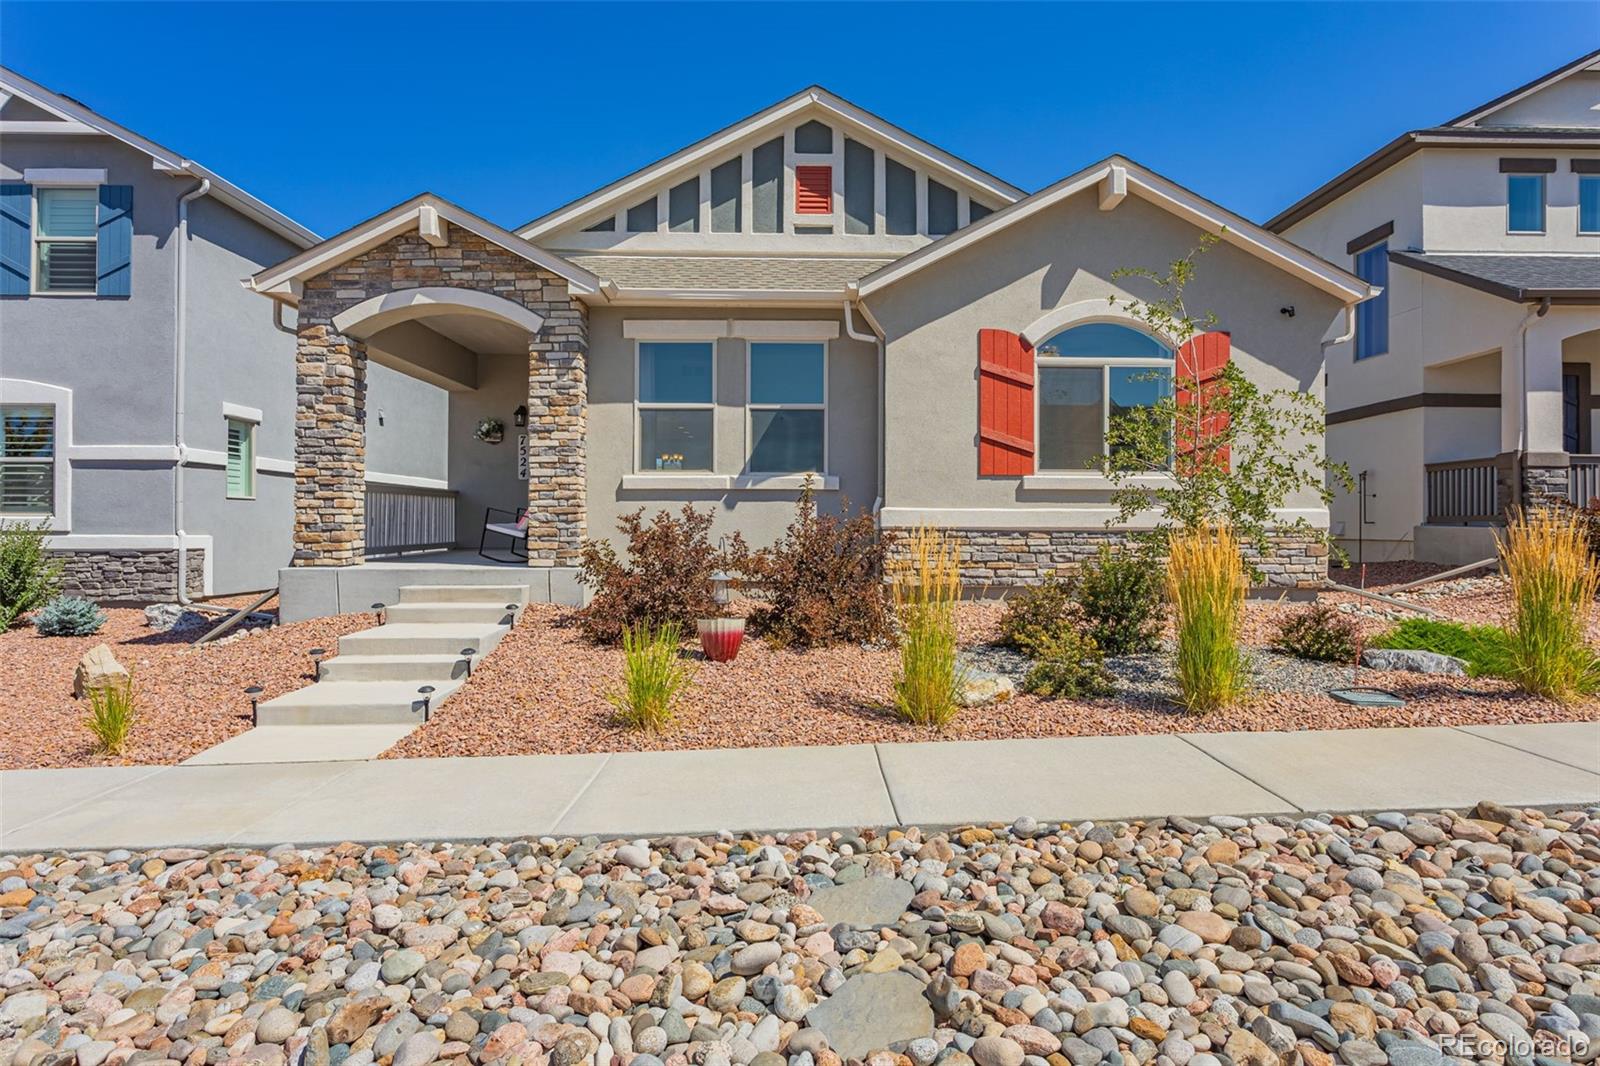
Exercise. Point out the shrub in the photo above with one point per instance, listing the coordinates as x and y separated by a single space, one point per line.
1070 666
927 585
1319 633
112 709
28 575
665 578
1037 613
823 581
652 676
1482 648
1119 594
1554 580
1206 583
69 616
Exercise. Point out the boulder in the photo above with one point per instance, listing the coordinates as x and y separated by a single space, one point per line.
982 686
1416 662
97 669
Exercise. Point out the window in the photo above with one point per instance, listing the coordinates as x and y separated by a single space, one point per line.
859 190
1525 203
976 211
725 201
642 217
941 209
899 198
766 187
1087 375
27 459
241 459
683 207
64 240
1372 316
675 405
788 408
1589 203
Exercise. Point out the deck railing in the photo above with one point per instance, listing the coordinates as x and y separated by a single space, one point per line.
403 518
1466 490
1583 479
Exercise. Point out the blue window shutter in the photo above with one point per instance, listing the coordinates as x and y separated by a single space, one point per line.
16 233
114 269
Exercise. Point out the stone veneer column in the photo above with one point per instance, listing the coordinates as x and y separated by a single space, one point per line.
329 447
558 414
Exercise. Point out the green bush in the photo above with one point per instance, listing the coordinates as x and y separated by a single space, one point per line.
1070 666
1485 649
1119 593
1319 633
112 709
28 575
666 576
652 676
822 582
69 616
1037 613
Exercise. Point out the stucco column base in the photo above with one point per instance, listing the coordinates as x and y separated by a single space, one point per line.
329 448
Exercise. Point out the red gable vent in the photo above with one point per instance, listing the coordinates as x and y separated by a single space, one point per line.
813 190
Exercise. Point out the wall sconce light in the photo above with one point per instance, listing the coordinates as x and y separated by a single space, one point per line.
1287 311
521 416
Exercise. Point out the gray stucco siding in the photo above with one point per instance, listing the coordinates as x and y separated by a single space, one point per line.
407 419
1065 255
760 515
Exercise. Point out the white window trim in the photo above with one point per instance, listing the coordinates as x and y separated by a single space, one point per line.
241 413
750 407
65 176
35 272
1544 205
1087 475
1581 179
639 406
250 428
19 391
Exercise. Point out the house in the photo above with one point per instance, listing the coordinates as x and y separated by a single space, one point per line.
147 404
812 292
1469 386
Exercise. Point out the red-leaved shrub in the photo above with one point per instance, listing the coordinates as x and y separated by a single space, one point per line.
666 577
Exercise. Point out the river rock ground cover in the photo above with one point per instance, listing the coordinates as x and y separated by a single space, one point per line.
1401 940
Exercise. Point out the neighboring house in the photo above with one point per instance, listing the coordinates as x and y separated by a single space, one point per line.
1470 385
147 401
809 293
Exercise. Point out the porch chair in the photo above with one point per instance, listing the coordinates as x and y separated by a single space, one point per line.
516 530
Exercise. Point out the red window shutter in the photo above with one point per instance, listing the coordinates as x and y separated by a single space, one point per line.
813 190
1005 404
1198 371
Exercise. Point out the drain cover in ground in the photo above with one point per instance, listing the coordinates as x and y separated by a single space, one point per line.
869 902
1366 697
872 1011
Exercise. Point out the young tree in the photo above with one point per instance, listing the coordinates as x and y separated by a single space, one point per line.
1236 452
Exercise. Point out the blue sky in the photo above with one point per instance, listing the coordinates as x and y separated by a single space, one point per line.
332 113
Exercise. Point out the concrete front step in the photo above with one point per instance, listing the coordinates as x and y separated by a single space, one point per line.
492 613
418 668
353 703
422 638
496 594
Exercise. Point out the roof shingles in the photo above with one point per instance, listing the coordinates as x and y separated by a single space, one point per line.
706 273
1514 277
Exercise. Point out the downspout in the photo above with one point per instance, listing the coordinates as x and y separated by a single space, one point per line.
1522 357
180 356
875 338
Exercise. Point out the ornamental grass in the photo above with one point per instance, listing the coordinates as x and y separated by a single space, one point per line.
1206 584
926 583
1554 579
653 676
112 708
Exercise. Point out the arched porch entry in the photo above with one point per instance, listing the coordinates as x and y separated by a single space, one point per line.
434 292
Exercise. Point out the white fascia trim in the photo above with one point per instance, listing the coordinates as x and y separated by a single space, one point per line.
820 297
697 153
673 329
164 159
65 175
277 280
792 330
1159 191
407 481
1089 518
45 128
241 412
671 483
431 299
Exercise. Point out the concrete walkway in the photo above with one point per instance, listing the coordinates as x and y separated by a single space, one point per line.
940 783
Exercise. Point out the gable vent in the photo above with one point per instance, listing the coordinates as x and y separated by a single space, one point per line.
813 190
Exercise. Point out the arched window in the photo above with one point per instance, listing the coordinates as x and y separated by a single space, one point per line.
1087 374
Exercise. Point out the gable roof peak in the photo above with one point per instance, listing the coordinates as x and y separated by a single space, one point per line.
1591 61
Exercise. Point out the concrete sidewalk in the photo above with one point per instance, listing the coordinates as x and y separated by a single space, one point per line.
940 783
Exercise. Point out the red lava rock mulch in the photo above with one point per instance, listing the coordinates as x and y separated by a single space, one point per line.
189 698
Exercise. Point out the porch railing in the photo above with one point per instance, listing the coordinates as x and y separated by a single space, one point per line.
1583 479
1466 490
402 518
